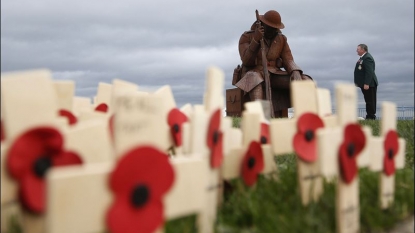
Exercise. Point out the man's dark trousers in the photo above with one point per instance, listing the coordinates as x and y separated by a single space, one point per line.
370 99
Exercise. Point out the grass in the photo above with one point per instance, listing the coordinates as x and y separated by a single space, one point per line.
405 130
276 206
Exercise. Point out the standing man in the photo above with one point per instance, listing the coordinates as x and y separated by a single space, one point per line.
365 78
280 63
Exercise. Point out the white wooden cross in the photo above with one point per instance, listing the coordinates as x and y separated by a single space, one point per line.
232 136
137 118
329 141
201 119
324 107
187 109
304 100
103 96
91 140
65 90
3 136
81 105
102 107
137 115
379 155
79 198
252 120
198 130
120 86
88 186
29 100
9 206
168 105
346 99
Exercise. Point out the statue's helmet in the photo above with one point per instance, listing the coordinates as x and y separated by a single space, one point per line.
272 18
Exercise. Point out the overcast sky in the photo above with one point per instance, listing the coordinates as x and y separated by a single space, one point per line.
165 42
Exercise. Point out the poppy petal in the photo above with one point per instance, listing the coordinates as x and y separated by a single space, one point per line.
391 147
259 158
215 139
175 119
32 193
148 171
213 128
348 165
66 158
391 141
145 165
264 137
353 143
216 157
30 146
354 133
388 166
252 163
304 141
103 107
309 121
250 178
28 160
122 218
306 150
71 118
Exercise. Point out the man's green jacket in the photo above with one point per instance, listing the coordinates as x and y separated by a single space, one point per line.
364 72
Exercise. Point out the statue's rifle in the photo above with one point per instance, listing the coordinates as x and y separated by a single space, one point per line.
265 69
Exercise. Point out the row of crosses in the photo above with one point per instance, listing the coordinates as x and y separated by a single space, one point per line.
132 160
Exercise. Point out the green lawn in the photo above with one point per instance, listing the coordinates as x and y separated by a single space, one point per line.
276 206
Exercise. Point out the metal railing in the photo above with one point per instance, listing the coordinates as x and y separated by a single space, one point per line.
402 113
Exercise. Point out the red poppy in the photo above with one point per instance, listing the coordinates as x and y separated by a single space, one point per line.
30 157
305 139
391 147
101 107
253 163
353 143
264 139
139 181
175 120
214 140
71 118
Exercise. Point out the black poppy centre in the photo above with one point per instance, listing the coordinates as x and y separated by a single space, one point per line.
350 149
251 162
140 195
390 153
264 140
42 165
176 128
309 135
216 137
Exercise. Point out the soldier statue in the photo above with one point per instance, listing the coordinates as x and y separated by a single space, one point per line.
278 55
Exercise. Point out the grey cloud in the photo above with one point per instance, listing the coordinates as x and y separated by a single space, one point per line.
173 42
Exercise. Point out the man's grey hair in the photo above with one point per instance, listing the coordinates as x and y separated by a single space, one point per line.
364 47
